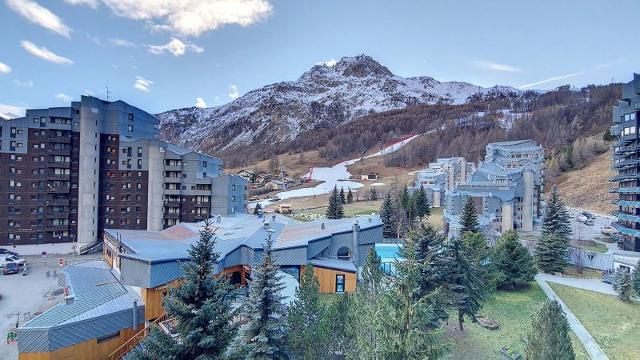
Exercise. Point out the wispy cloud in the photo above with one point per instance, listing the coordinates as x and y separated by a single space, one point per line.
12 109
200 103
329 63
493 66
44 53
63 97
176 47
90 3
233 92
142 84
39 15
4 68
26 83
192 17
574 74
121 42
94 39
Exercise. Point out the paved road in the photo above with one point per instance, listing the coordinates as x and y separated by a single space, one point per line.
591 346
596 285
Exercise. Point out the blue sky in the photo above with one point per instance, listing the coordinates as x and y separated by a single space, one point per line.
164 54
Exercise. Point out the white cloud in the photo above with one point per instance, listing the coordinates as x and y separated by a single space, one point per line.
488 65
12 109
63 97
121 42
176 47
192 17
142 84
233 92
329 63
39 15
4 68
200 103
90 3
44 53
26 83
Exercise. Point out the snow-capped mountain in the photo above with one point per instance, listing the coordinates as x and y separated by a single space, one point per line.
324 96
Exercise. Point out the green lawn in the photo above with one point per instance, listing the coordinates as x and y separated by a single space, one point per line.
513 312
613 323
590 245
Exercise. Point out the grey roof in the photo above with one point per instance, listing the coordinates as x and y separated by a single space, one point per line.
335 264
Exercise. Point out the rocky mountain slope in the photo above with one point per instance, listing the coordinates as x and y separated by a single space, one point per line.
323 97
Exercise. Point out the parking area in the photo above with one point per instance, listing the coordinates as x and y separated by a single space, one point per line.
26 296
588 232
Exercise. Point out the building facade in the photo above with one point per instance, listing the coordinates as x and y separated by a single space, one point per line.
442 176
506 189
68 173
626 160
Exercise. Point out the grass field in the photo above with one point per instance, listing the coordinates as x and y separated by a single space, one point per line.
590 245
586 272
613 323
512 310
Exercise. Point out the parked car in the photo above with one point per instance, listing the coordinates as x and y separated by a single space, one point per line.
10 268
6 259
608 231
7 252
588 215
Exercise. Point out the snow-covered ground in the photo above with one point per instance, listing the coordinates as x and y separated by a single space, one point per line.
337 175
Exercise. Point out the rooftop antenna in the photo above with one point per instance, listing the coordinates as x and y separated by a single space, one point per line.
106 87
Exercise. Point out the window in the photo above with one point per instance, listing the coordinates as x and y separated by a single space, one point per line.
340 283
344 253
130 128
130 116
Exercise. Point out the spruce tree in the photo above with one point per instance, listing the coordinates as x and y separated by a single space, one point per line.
549 338
262 336
550 253
556 220
257 209
623 285
636 279
201 308
371 273
305 336
343 199
338 325
512 262
469 218
421 204
334 210
387 217
349 196
465 282
373 194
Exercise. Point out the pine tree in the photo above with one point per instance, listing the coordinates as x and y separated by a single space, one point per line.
421 203
556 219
335 210
513 264
549 338
338 325
405 198
371 273
623 285
373 194
469 217
306 338
636 279
465 282
257 209
389 229
263 334
550 253
343 199
349 196
201 307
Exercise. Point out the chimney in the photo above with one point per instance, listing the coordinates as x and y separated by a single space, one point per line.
355 242
322 226
135 314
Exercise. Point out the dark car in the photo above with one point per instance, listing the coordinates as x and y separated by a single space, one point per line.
7 252
11 268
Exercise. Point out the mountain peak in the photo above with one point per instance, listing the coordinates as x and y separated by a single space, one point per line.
361 66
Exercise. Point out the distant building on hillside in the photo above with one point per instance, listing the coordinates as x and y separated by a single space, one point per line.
505 189
626 159
442 176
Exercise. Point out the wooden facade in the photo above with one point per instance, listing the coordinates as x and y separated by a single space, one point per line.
237 275
153 299
87 350
328 278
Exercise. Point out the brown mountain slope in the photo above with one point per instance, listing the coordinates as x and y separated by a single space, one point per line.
587 188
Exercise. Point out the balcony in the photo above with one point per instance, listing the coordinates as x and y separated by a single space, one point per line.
172 203
65 177
59 164
172 179
624 177
58 189
626 190
173 168
174 215
66 139
624 230
51 227
57 202
172 191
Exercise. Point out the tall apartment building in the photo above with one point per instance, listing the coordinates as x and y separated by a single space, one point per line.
442 176
506 189
626 160
68 173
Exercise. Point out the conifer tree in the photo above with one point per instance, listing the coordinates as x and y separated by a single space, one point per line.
469 217
550 253
335 210
513 264
372 273
343 199
257 209
306 338
387 215
349 196
373 194
201 307
636 279
623 285
556 220
421 204
338 325
262 336
549 338
465 282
